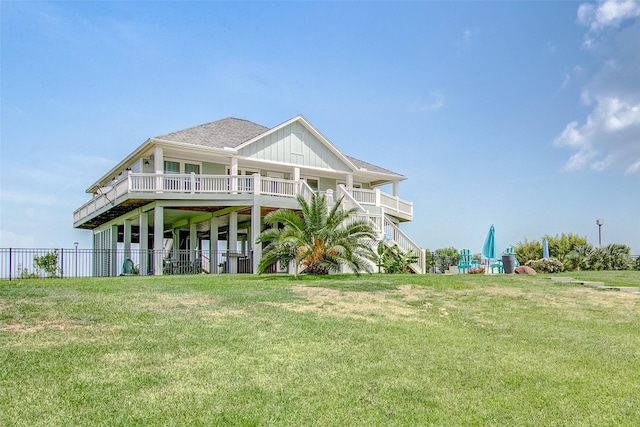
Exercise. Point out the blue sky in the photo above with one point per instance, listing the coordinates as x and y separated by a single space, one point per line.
525 115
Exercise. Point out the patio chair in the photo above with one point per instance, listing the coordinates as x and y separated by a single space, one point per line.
497 265
511 251
466 261
128 268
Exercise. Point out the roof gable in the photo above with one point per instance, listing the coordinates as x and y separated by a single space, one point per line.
296 142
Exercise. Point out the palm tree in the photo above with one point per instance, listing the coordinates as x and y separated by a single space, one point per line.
318 238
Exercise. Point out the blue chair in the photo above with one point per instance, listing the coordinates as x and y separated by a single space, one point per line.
497 265
511 251
466 261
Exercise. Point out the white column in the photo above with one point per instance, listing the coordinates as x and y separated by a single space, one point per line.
232 240
158 239
193 241
349 180
144 243
396 187
233 170
296 174
158 167
114 251
257 186
213 245
127 239
256 228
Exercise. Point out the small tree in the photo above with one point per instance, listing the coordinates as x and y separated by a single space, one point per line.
318 238
446 257
48 263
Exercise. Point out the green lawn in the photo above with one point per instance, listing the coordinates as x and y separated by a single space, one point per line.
333 351
611 278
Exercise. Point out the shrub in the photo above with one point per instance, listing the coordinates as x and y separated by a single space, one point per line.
638 263
394 260
526 251
478 270
578 258
48 263
546 265
611 257
446 257
562 245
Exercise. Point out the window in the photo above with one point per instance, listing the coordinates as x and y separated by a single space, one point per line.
171 167
190 167
179 167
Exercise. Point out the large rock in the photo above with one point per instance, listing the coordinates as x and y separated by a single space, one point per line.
523 269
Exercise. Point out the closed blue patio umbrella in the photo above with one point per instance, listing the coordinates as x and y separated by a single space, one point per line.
545 248
489 248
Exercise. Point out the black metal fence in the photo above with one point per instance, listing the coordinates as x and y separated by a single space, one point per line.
29 263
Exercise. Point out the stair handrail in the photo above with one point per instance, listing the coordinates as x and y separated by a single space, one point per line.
406 244
351 201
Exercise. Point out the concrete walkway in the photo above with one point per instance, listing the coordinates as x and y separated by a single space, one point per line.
598 285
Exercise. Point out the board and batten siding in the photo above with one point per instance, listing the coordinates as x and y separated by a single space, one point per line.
294 144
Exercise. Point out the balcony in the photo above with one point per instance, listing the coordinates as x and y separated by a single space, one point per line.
136 189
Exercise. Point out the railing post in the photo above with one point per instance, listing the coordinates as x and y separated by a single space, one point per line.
193 182
257 185
378 198
129 183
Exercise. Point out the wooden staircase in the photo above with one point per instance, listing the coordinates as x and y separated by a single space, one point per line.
386 229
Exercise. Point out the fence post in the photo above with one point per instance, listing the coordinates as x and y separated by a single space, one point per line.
62 263
10 267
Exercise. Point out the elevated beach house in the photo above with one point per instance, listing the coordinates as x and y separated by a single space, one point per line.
193 201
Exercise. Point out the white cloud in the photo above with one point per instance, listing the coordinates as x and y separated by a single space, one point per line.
609 138
434 102
607 13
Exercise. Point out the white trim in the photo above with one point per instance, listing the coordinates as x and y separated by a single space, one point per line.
315 132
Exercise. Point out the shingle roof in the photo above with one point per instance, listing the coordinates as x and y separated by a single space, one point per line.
227 132
370 167
232 132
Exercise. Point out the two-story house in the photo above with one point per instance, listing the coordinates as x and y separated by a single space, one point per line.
194 200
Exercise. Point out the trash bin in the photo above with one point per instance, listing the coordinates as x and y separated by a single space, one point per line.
508 263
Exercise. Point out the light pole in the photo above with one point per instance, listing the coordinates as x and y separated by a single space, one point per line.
76 243
600 221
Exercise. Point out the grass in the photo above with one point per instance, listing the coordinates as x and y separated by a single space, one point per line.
337 350
611 278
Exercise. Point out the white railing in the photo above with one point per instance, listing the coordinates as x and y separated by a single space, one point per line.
278 187
185 184
381 199
348 201
305 191
393 233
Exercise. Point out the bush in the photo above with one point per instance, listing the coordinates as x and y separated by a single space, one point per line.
546 265
48 263
638 263
446 257
479 270
526 251
611 257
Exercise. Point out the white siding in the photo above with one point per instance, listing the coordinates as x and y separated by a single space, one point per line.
294 144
